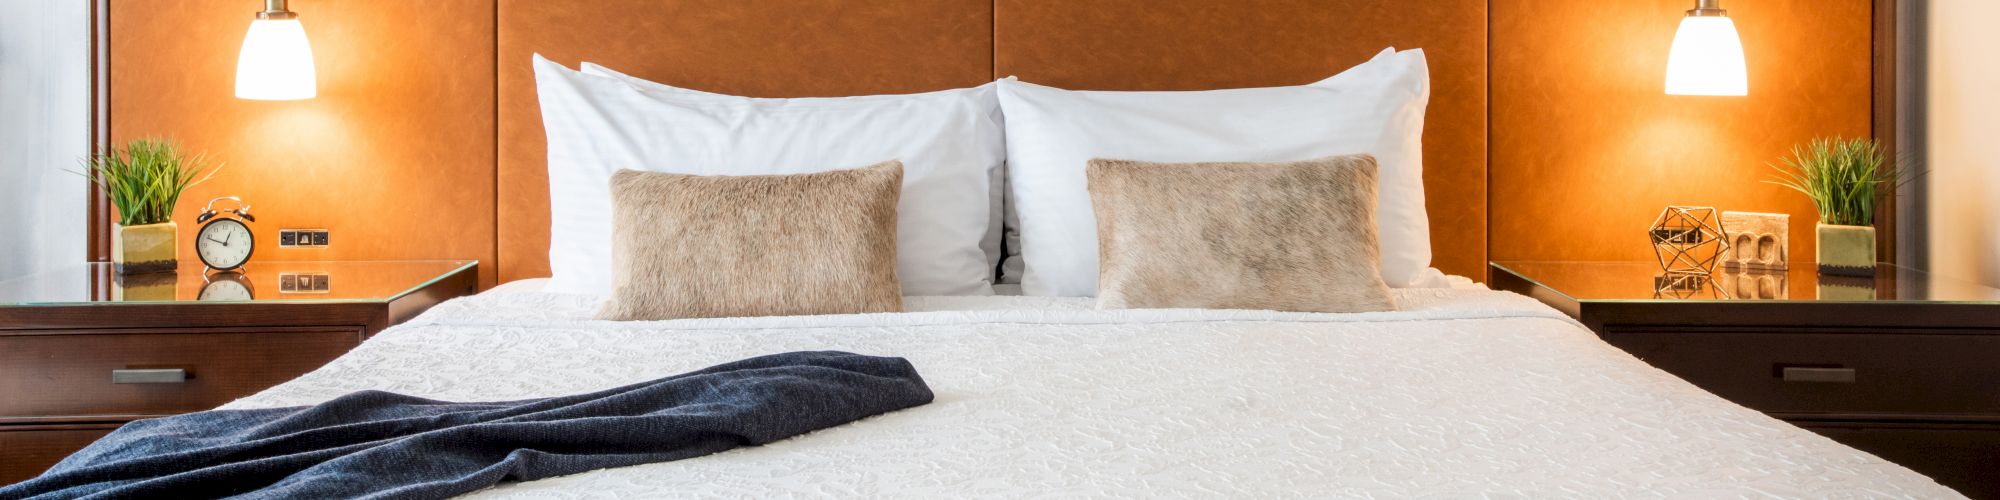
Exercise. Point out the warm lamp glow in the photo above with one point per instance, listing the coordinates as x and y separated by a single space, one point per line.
276 63
1707 58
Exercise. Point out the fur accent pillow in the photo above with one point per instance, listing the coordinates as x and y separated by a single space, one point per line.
1293 236
690 246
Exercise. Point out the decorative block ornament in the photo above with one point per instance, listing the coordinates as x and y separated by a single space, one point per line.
1753 284
1688 241
1757 241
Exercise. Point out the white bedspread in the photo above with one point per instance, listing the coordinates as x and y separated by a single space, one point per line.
1463 393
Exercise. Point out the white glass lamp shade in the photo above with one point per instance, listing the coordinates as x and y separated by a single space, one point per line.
276 63
1707 59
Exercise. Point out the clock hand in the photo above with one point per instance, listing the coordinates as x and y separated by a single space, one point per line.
224 242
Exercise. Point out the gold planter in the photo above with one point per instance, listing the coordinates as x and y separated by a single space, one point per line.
1846 250
145 287
151 248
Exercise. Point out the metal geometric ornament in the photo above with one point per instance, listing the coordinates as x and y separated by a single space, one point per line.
1688 286
1689 242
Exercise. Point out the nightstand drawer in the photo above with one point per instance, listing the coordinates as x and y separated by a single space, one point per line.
27 450
1860 373
154 372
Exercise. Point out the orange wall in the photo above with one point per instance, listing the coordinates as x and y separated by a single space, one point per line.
395 156
1587 148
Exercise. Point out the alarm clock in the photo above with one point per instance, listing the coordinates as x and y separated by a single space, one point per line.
226 286
224 241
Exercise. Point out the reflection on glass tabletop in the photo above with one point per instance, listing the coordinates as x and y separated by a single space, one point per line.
1643 280
304 281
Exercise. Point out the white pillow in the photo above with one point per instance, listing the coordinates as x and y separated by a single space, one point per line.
950 142
989 243
1376 108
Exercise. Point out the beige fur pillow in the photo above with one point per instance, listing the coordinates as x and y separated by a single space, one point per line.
1297 236
688 246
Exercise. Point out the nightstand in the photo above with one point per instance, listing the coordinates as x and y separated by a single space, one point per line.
83 350
1905 365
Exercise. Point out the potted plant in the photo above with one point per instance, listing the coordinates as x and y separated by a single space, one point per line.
144 181
1845 179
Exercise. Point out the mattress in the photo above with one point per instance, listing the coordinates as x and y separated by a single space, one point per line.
1462 392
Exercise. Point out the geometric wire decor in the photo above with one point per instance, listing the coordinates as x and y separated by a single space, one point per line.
1688 286
1689 242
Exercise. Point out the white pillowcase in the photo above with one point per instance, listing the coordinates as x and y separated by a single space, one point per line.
1376 108
989 243
950 143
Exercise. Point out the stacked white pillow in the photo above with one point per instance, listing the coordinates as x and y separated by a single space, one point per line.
989 243
1375 108
954 145
950 142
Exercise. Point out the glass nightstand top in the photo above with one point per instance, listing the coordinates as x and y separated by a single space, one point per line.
317 281
1601 281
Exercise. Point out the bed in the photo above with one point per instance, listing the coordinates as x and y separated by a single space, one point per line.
1462 392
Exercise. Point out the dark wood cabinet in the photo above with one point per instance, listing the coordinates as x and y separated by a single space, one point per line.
58 373
74 369
27 450
1907 369
1831 372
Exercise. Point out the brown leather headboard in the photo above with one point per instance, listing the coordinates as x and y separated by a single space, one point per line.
784 48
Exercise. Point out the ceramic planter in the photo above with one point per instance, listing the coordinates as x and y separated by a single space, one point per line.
1846 250
145 287
151 248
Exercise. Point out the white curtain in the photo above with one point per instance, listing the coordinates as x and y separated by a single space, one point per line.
44 130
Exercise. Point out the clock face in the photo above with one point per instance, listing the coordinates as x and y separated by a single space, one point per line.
226 287
224 244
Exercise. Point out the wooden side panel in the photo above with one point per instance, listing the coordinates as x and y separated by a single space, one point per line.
1588 148
395 156
27 451
1151 45
766 48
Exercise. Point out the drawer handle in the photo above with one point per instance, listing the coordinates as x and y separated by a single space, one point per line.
1833 375
149 376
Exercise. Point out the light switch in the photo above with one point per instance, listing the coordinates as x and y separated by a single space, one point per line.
302 238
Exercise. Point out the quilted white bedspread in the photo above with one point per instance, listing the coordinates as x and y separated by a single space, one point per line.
1462 393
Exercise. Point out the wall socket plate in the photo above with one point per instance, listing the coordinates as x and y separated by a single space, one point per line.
302 238
304 282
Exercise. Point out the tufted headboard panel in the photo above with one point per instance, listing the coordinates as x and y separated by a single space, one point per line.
787 48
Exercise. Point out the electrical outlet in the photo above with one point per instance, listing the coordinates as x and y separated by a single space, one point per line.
304 282
302 238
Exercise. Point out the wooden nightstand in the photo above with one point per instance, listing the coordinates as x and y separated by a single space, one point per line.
83 351
1905 366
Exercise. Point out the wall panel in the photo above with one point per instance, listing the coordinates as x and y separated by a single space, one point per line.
1150 45
426 143
764 48
1587 147
395 156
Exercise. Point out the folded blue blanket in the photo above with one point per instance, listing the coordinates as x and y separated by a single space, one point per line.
380 445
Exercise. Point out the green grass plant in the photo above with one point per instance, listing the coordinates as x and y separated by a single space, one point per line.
1845 178
145 179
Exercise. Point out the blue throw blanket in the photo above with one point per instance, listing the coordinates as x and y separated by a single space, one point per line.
381 445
